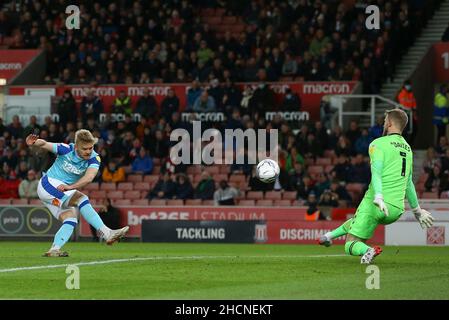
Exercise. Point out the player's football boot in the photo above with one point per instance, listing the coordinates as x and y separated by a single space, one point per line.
369 256
55 253
325 241
116 235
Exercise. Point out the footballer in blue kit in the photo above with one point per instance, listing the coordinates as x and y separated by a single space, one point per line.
76 166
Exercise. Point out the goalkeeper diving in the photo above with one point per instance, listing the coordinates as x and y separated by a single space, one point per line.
391 182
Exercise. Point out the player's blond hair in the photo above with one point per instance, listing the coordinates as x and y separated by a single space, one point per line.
398 117
84 136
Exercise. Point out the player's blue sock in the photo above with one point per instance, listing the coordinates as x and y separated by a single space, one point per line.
64 233
90 214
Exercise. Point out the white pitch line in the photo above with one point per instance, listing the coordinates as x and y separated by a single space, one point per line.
53 266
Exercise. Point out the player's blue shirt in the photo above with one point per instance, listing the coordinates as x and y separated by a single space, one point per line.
68 166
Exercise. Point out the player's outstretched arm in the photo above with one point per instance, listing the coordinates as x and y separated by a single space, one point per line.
33 139
424 217
88 177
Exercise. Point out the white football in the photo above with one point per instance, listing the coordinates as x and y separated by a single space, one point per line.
267 170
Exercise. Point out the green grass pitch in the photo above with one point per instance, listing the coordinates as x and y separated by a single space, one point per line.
219 271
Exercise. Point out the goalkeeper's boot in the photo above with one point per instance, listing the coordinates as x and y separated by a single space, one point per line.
325 241
369 256
55 253
116 235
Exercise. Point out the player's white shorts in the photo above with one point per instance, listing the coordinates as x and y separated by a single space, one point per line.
56 201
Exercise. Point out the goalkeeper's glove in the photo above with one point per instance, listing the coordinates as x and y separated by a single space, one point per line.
379 201
424 217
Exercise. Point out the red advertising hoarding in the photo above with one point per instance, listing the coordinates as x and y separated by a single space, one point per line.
310 92
14 61
133 216
441 61
302 232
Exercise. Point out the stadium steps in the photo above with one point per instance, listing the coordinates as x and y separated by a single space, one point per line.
430 34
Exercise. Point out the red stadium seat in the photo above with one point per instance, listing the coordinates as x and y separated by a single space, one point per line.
289 195
229 19
315 169
122 202
247 203
115 195
264 203
108 186
151 179
225 169
125 186
212 170
254 195
19 201
175 202
208 203
273 195
142 186
194 169
5 201
237 178
158 202
35 202
282 203
135 178
97 194
193 202
92 186
429 195
140 202
132 194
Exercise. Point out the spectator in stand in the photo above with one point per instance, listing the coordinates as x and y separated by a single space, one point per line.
206 187
263 99
377 130
113 173
142 164
291 102
437 181
15 129
445 162
353 132
146 105
225 195
290 66
169 105
313 213
254 183
67 110
110 215
343 147
441 111
342 170
328 199
183 189
122 104
159 146
293 157
204 103
9 158
407 99
164 188
443 145
193 94
22 170
32 127
9 183
305 188
362 143
431 160
91 106
360 172
28 186
343 194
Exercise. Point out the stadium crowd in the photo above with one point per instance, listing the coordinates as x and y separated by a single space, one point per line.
211 44
136 41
